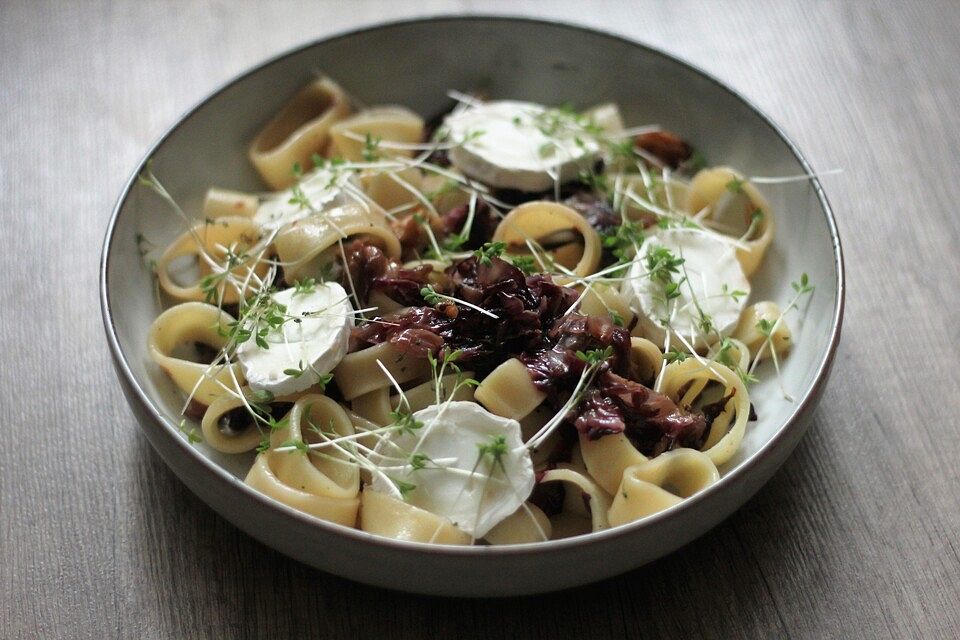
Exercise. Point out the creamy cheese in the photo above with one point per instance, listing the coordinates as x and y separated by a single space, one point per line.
313 340
515 145
714 282
322 188
474 492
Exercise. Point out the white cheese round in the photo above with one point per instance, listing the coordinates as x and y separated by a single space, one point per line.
517 145
322 188
714 281
474 492
313 340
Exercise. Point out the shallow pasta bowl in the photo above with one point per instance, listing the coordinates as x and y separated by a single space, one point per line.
415 63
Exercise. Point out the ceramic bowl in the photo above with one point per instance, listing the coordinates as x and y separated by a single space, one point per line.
415 63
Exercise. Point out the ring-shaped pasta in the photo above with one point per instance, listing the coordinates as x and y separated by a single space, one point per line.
606 459
598 498
737 356
691 377
643 490
304 243
508 391
601 299
225 203
187 323
747 331
711 188
425 394
384 124
392 189
541 220
373 406
358 373
645 361
637 196
386 516
299 130
246 440
213 239
526 524
323 483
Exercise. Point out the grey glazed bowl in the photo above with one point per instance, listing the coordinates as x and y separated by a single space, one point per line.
414 63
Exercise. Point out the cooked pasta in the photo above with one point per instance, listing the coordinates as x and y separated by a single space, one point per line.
522 324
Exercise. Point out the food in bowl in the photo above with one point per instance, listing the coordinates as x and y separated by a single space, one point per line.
512 324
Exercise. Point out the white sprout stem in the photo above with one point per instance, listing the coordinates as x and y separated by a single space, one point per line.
467 304
794 178
393 381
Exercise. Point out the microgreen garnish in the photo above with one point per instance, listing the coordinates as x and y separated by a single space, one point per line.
192 436
371 146
525 263
488 251
624 240
595 356
303 287
675 356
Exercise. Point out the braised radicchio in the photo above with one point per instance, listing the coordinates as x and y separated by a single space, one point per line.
371 270
532 324
613 404
524 305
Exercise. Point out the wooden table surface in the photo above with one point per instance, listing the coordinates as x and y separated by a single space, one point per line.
856 537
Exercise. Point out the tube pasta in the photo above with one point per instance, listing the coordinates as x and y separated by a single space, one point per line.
526 524
443 192
224 203
384 124
213 239
358 372
386 516
425 394
691 378
324 458
599 499
544 221
646 360
603 300
508 391
608 457
303 244
665 194
747 331
388 190
325 485
187 323
221 439
374 406
709 188
299 130
642 491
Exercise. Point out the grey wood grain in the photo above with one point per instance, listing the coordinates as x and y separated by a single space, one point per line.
856 537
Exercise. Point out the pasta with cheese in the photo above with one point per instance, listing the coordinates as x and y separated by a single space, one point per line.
519 324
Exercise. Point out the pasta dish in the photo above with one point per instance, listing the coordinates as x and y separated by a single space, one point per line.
509 324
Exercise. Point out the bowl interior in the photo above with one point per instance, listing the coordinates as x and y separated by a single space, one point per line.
415 64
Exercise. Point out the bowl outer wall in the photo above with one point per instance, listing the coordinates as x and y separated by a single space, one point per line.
477 571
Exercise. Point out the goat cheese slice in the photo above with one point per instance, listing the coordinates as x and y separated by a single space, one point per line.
518 145
473 466
712 287
316 191
312 341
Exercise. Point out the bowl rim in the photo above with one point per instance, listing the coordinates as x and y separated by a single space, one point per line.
227 481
